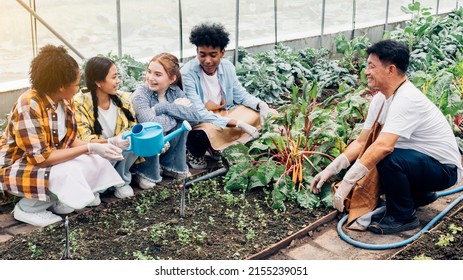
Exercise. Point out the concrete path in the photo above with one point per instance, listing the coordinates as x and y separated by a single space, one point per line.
326 244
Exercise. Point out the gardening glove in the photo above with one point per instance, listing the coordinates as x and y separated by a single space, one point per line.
119 142
183 101
107 151
165 148
355 173
249 129
264 111
338 164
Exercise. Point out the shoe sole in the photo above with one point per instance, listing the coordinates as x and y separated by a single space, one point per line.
409 226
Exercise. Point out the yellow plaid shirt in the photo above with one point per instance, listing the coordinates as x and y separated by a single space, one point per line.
86 119
30 137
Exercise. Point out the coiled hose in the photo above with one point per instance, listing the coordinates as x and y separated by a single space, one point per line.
406 241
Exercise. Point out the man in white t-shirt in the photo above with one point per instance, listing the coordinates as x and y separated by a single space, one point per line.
416 152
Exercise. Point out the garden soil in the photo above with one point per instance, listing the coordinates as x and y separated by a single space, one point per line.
216 226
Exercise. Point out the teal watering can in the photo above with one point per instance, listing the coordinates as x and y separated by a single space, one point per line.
147 139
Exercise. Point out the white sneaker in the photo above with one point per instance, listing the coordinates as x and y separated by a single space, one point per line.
123 192
144 183
96 201
40 219
60 208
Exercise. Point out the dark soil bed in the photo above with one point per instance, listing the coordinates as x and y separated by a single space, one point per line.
443 242
216 225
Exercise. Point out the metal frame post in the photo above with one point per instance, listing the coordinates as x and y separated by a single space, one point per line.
386 23
119 32
323 23
33 29
237 30
275 12
354 14
180 23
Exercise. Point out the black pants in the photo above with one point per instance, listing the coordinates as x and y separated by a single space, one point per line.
197 143
405 174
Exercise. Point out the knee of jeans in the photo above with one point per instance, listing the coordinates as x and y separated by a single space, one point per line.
385 163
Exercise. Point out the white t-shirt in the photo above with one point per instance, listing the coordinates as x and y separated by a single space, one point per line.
108 120
421 126
61 115
212 89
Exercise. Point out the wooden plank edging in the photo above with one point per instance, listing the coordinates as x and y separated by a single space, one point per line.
272 249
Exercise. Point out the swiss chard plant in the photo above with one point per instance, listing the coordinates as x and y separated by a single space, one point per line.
290 151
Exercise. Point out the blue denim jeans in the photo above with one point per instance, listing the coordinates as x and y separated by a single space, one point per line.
405 174
123 166
174 159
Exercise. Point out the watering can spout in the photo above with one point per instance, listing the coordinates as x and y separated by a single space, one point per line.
185 127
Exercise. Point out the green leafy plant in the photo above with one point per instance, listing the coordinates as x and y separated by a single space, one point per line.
445 239
287 154
183 234
421 257
142 255
455 229
35 250
158 233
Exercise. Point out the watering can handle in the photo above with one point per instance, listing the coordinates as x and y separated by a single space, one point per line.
124 136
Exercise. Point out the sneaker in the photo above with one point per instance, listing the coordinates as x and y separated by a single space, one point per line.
40 219
425 199
96 201
176 175
143 183
213 154
60 208
389 225
123 192
196 162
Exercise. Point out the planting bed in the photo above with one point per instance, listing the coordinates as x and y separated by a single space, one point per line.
216 225
443 242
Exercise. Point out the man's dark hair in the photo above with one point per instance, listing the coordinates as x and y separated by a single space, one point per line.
209 34
392 52
52 69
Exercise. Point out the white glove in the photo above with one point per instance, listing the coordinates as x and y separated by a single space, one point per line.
119 142
264 111
338 164
165 148
249 129
183 101
106 150
355 173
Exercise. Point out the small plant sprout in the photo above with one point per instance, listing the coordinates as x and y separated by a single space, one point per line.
454 229
445 240
250 235
421 258
164 194
158 233
142 256
183 235
201 237
36 251
211 220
